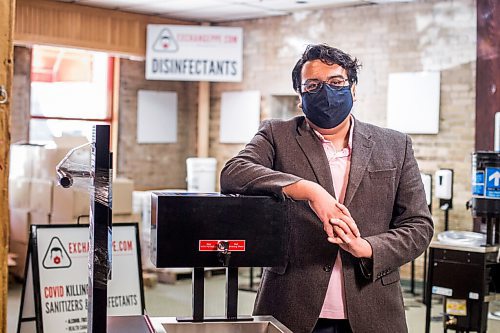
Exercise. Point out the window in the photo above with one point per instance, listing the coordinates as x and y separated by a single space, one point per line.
71 91
285 106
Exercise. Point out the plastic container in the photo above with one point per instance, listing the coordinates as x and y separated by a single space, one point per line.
462 238
201 174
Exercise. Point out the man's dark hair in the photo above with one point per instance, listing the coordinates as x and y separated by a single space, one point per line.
328 55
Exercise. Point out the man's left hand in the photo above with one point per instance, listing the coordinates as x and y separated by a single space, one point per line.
346 239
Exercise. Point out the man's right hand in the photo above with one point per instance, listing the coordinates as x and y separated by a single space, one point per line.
326 207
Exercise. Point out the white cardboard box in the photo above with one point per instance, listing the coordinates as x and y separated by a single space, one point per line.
19 193
41 195
47 160
62 202
21 221
70 141
122 218
39 218
19 225
20 249
69 220
51 155
22 160
81 202
142 204
122 195
68 203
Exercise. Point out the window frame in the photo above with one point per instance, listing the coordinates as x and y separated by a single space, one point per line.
110 87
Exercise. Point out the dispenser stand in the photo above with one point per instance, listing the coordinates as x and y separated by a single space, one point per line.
224 257
446 205
199 298
232 293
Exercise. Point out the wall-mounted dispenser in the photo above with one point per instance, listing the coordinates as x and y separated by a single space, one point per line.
443 190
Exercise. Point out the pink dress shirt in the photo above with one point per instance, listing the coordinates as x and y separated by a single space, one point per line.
340 162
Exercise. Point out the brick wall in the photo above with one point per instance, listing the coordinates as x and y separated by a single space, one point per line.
154 165
404 37
21 87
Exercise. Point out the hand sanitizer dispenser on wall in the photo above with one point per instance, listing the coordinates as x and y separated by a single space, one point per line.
444 184
427 180
444 191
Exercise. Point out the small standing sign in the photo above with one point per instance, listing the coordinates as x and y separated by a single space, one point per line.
54 296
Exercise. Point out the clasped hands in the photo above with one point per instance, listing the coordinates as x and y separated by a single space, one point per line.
337 221
339 225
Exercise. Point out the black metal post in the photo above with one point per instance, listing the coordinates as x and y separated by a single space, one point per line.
424 282
412 280
489 231
446 227
100 231
198 293
428 291
497 231
232 293
251 279
424 277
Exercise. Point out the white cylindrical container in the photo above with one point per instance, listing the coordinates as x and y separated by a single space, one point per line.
201 174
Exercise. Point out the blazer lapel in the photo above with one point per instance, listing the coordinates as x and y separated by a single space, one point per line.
362 147
312 148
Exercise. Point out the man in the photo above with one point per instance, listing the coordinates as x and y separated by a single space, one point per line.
360 184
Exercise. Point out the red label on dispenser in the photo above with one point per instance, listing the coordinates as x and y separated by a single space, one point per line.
219 245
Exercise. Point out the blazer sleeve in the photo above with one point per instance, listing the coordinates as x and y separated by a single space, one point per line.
411 227
252 171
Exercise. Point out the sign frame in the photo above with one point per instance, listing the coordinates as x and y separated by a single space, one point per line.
194 53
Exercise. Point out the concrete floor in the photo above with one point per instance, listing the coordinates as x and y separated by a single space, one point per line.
175 300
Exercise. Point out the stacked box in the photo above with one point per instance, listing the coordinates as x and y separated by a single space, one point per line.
20 223
35 197
122 196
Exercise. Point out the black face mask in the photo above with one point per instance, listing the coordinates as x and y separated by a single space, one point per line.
328 107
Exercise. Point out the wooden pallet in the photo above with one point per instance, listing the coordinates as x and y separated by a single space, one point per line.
149 279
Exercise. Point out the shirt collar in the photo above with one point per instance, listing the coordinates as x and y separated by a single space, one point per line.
349 142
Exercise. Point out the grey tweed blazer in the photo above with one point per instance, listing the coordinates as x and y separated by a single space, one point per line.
385 196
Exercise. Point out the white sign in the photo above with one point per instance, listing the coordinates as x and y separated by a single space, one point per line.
156 116
442 291
239 116
61 274
194 53
413 102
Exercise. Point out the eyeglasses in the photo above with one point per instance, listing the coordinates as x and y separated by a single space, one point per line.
313 86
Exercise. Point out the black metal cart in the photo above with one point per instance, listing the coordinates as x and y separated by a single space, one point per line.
468 279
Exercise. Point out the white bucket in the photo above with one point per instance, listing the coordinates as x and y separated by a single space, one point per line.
201 174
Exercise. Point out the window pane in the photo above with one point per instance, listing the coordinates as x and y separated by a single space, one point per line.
44 130
69 83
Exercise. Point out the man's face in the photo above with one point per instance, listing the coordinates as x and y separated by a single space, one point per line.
318 70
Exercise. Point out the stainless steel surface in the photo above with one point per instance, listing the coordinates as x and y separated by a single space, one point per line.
229 327
260 324
479 249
